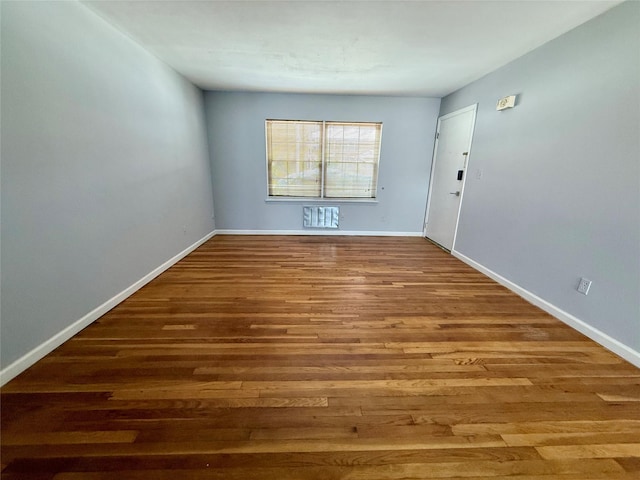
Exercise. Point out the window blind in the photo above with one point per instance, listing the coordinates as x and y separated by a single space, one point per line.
352 153
322 159
294 151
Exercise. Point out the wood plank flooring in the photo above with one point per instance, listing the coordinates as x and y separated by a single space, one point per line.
323 358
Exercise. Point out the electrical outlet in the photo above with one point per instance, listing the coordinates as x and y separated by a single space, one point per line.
584 286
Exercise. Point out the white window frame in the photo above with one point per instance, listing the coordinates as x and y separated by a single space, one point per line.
323 166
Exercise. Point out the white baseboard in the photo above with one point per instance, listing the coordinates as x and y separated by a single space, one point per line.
350 233
30 358
594 334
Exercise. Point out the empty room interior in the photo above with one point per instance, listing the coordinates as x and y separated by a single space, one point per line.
320 240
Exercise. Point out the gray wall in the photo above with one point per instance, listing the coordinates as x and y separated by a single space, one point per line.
559 196
237 150
104 161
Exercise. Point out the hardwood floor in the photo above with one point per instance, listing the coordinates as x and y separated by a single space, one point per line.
323 358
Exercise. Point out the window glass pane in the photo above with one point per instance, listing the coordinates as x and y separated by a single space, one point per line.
294 158
351 165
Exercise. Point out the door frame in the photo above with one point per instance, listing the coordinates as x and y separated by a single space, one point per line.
434 160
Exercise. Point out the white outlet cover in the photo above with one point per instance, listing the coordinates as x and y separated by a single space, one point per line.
584 285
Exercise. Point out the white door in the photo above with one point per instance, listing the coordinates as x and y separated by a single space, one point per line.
448 173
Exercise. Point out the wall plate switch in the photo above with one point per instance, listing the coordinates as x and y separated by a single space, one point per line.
584 285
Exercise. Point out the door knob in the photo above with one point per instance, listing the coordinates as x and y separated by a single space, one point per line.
457 194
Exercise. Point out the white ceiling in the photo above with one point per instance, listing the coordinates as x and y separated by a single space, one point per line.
425 48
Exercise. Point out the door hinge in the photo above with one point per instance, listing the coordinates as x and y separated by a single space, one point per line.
437 135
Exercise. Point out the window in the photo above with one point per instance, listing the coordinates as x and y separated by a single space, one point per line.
322 159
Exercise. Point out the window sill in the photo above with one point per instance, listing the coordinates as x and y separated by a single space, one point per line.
312 200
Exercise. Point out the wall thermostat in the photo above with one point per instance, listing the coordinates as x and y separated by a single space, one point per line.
506 102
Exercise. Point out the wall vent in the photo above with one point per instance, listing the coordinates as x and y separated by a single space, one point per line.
320 217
